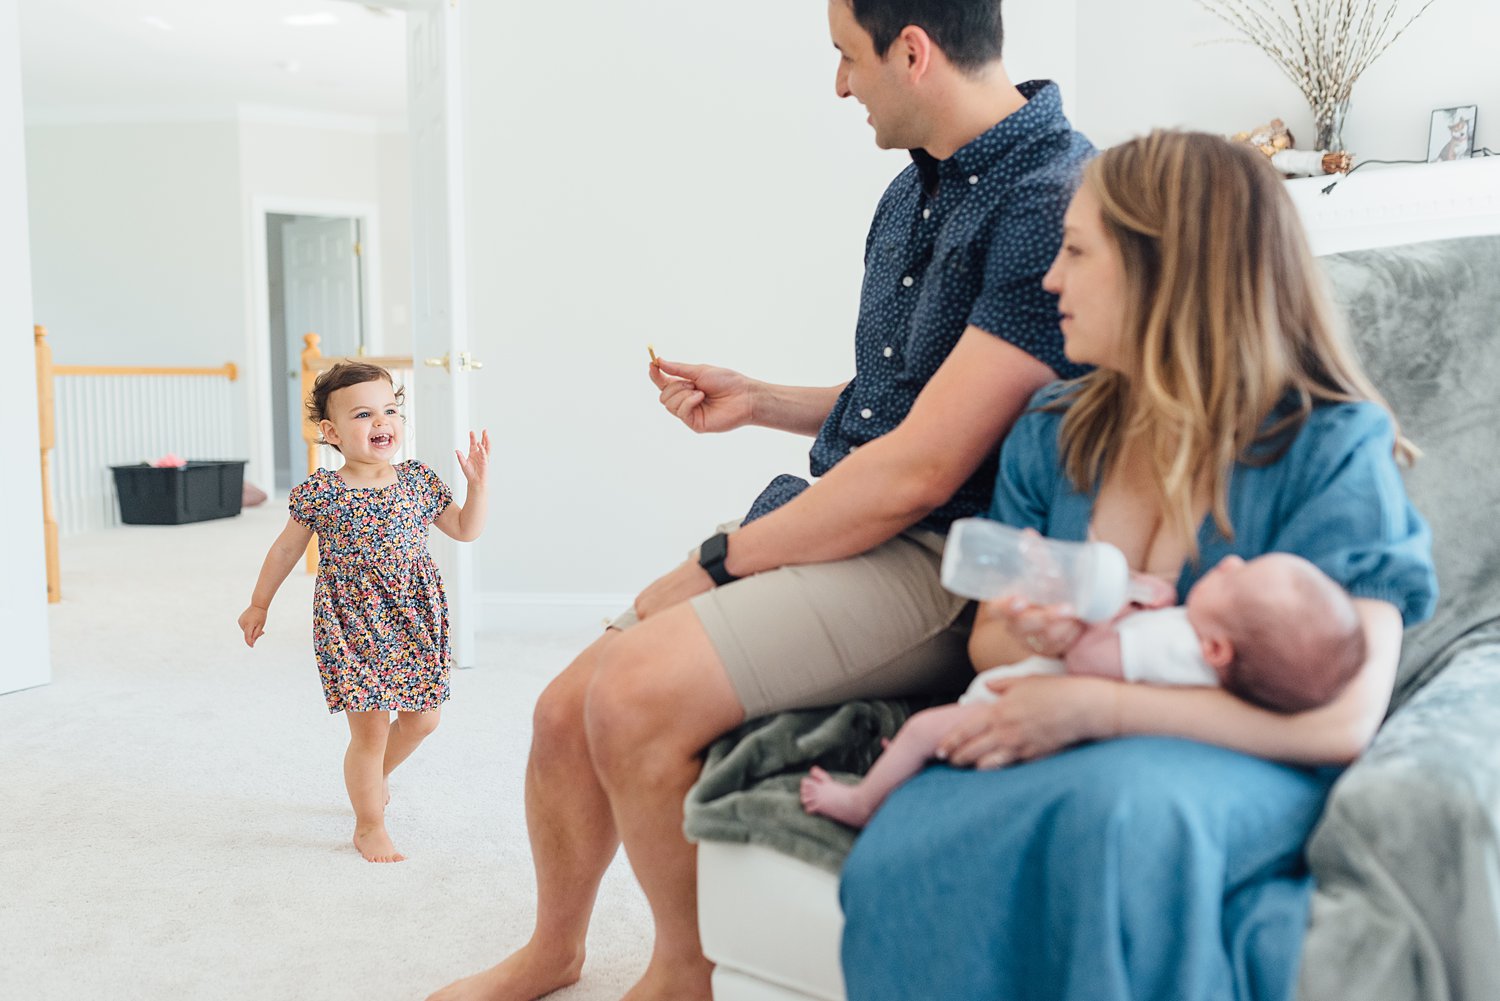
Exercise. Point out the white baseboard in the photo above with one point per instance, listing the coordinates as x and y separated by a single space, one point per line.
516 611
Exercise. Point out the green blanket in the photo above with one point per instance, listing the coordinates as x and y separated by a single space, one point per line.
747 791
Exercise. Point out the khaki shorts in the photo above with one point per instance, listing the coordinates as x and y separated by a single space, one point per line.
876 625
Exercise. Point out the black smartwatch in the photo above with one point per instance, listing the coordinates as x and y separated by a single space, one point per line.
711 558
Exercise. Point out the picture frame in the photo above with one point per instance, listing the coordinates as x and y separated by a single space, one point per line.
1451 133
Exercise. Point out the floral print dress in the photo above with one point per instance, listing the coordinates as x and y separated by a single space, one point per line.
380 617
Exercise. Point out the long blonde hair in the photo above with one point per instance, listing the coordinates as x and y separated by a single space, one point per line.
1227 319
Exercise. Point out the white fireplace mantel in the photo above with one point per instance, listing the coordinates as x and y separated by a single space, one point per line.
1379 206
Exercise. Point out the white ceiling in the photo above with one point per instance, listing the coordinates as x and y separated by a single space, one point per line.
122 59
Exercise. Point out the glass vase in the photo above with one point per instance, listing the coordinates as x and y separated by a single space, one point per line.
1329 120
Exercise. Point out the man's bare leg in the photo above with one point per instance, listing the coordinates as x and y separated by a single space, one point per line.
573 841
660 696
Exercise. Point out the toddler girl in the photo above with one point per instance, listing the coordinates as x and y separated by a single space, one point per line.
380 618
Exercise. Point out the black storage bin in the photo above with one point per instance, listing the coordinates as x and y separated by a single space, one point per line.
174 495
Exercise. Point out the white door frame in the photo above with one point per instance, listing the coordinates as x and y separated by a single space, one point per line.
258 373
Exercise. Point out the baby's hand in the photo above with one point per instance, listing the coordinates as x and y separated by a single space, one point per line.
477 465
253 622
1150 591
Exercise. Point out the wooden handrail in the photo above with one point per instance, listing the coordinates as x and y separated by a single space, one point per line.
47 424
46 374
323 363
229 370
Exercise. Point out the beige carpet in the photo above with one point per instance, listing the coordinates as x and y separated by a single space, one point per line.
173 823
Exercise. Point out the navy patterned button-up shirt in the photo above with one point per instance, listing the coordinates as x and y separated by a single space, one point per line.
956 242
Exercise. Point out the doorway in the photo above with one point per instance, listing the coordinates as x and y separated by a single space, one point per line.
315 282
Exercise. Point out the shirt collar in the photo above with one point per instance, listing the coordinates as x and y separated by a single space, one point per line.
1042 112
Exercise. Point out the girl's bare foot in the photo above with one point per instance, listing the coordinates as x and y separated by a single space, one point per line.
375 845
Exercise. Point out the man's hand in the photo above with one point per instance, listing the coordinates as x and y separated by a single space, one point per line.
253 624
705 398
687 581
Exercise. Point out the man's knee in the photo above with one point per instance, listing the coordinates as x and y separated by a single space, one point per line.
620 704
557 717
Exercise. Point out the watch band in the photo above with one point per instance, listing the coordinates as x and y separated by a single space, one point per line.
711 556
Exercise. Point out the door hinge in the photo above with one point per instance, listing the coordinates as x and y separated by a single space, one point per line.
358 249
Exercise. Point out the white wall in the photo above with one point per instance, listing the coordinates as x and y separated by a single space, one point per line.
679 173
23 585
136 246
141 240
1145 64
135 242
393 177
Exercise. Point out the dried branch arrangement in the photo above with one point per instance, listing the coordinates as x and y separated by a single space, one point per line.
1321 45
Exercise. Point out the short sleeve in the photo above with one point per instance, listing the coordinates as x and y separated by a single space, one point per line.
1346 510
1012 304
1029 469
304 502
434 493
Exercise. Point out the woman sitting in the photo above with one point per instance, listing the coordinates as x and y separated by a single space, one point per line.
1226 415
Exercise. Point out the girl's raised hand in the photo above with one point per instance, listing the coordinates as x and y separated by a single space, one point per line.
476 465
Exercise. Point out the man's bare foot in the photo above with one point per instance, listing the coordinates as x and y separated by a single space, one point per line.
375 845
674 981
826 795
525 974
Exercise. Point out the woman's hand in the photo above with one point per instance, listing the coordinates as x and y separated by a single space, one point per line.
476 466
1035 716
705 398
1010 629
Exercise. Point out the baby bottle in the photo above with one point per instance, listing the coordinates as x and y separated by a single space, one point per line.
985 559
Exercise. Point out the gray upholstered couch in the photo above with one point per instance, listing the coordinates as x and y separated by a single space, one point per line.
1407 855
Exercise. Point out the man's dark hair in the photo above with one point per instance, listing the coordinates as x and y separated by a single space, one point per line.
968 31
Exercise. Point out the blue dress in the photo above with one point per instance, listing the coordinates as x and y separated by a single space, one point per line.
1143 867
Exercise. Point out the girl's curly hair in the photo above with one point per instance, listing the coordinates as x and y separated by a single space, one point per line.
341 375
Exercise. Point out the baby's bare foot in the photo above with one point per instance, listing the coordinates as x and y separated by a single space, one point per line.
823 794
375 845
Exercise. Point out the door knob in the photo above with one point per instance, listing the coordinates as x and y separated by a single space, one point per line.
437 362
467 362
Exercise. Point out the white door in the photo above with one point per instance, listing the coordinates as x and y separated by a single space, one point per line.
440 333
322 295
23 580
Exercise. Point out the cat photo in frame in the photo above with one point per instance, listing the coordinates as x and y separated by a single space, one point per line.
1451 135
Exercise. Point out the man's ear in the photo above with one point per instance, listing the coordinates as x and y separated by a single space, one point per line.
917 48
1217 650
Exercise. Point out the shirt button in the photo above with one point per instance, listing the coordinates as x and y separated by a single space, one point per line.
908 281
888 352
973 178
927 213
852 448
867 413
